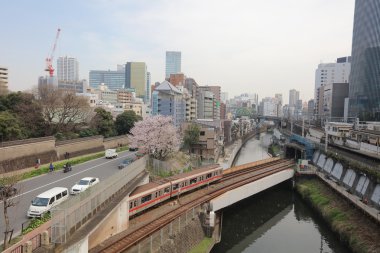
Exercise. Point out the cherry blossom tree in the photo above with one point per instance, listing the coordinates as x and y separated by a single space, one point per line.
156 135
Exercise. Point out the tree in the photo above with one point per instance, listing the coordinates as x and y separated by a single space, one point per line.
10 127
157 135
191 136
125 122
7 192
103 123
62 109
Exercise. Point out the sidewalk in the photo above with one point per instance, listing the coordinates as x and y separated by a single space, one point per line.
229 153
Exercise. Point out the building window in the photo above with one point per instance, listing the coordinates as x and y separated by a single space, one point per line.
202 133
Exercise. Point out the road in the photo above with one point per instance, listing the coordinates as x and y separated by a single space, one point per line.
30 188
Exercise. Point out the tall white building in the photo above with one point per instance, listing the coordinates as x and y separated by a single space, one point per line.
329 73
67 69
173 63
224 97
3 80
294 96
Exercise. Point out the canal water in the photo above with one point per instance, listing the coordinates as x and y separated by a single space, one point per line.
275 220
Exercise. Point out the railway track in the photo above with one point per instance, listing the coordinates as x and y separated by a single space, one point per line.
234 180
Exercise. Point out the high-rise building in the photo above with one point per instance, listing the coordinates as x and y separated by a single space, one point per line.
136 77
294 95
224 97
67 69
115 80
148 92
333 97
3 80
173 63
329 73
364 85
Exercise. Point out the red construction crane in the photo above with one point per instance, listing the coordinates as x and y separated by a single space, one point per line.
50 58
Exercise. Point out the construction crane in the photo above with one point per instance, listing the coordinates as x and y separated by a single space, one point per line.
50 58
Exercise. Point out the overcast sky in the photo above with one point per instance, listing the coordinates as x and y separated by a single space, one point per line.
251 46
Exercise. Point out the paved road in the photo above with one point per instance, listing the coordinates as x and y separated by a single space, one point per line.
28 189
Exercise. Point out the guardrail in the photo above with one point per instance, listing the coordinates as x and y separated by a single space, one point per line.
70 215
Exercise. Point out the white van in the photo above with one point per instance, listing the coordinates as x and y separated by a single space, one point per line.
46 200
111 153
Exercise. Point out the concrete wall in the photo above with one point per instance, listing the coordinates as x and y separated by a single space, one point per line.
114 142
16 155
115 222
22 154
245 191
80 146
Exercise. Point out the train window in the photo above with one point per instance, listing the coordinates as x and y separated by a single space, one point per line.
209 175
175 186
130 205
156 194
182 184
167 189
193 180
146 198
135 203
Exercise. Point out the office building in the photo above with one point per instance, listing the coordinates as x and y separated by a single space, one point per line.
76 86
113 79
3 80
334 97
364 84
224 97
148 90
205 105
327 74
294 95
67 69
136 78
173 63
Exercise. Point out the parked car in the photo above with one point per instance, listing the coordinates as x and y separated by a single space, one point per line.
133 149
7 192
84 184
111 153
46 200
125 163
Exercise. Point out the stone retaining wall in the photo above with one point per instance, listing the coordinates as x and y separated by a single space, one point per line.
17 155
184 240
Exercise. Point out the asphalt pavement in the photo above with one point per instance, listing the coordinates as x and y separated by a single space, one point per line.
30 188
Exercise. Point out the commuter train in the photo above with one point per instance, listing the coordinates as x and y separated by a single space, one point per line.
154 193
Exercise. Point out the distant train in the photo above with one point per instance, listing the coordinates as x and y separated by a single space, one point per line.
154 193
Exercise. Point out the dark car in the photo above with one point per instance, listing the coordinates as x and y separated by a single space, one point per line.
7 192
133 149
125 163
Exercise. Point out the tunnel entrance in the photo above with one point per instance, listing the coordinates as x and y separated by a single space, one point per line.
294 153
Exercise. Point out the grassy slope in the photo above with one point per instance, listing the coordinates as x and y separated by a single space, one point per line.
357 230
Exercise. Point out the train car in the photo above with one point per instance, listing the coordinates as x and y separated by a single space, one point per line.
194 179
148 195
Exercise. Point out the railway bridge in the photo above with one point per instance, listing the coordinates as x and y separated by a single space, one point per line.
150 230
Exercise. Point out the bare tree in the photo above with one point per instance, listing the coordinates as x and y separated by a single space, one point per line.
7 193
62 109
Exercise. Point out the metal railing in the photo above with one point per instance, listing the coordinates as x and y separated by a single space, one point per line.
70 215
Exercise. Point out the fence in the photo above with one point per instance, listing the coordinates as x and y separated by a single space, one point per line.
153 242
73 213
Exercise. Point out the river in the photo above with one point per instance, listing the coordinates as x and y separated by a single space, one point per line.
275 220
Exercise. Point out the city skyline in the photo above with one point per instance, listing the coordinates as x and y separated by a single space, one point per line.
229 45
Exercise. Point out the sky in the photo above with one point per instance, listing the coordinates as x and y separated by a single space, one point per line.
245 46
